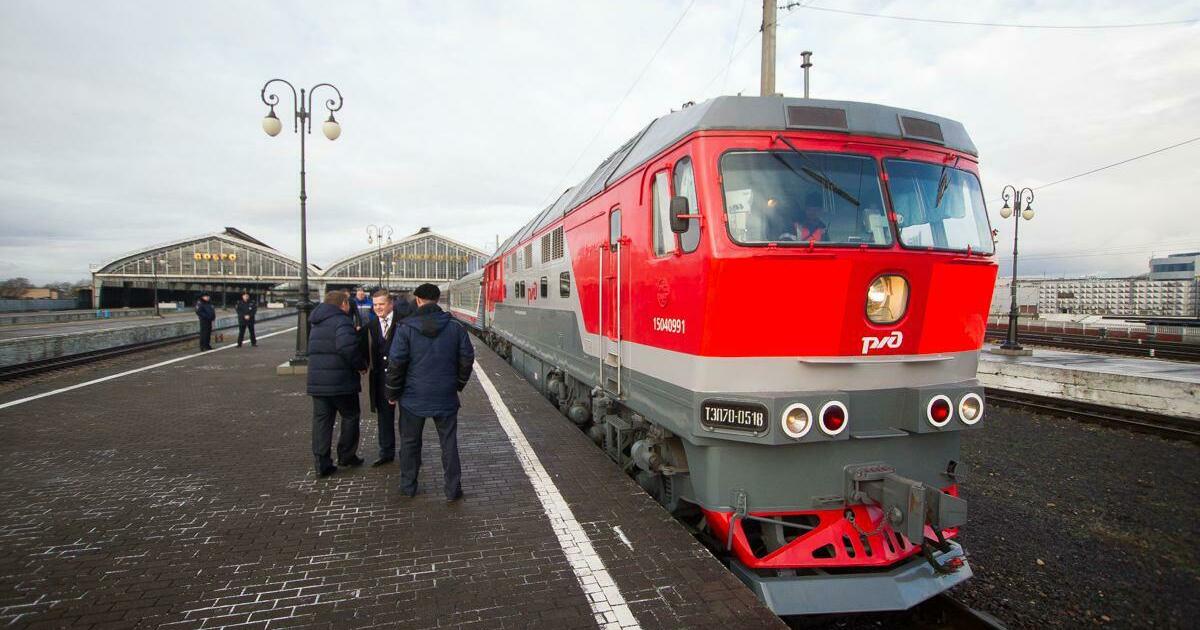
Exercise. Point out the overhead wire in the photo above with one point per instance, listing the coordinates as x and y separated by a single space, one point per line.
620 102
1125 161
733 44
903 18
1108 166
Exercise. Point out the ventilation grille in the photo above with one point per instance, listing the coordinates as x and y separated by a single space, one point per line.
810 117
529 256
921 129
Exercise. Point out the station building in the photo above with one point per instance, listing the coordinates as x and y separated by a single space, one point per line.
225 264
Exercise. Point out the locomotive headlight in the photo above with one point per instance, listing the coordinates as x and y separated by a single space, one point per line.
970 408
887 298
797 420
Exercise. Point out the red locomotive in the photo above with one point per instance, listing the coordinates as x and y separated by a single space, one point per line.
771 309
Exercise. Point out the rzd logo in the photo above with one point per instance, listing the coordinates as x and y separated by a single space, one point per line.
891 341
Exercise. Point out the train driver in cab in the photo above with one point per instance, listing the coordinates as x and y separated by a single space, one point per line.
806 226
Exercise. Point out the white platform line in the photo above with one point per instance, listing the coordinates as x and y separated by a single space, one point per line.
607 602
134 371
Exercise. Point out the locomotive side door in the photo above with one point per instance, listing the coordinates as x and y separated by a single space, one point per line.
611 261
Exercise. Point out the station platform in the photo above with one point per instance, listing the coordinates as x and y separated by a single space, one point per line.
23 330
1151 385
28 343
40 317
182 495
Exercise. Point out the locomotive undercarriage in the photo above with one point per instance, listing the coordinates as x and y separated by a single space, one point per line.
884 528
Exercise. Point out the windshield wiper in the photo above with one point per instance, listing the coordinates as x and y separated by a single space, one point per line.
818 175
943 184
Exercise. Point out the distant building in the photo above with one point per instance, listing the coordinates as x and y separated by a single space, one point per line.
1119 297
1176 267
42 294
1170 289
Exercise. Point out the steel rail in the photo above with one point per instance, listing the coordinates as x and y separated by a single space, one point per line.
955 614
1138 421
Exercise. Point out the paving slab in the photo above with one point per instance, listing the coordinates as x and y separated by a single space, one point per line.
183 497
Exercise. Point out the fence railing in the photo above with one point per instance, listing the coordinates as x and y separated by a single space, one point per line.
1182 334
23 306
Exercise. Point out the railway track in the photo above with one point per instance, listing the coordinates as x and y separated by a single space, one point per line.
1139 421
1108 345
952 613
22 370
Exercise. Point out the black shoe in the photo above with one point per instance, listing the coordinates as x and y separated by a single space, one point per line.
381 461
457 497
254 345
352 462
325 472
239 345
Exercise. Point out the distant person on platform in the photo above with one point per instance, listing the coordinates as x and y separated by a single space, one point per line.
429 363
207 314
363 304
246 309
382 329
335 366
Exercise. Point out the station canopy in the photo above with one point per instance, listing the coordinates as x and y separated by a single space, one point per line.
229 256
232 257
405 263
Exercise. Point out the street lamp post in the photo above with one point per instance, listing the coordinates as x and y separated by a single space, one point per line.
1022 207
302 124
154 273
376 234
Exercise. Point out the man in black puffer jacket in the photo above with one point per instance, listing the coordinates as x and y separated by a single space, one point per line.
334 381
429 363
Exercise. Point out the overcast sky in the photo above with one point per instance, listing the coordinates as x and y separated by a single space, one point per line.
126 124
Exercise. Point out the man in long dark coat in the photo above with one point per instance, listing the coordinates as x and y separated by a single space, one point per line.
207 314
246 311
382 328
334 381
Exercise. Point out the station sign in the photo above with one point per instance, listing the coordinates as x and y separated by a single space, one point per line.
214 256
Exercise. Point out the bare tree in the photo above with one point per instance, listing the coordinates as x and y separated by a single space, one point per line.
14 288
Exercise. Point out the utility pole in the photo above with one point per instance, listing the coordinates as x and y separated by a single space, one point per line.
767 86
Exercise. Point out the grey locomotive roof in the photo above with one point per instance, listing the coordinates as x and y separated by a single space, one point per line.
751 113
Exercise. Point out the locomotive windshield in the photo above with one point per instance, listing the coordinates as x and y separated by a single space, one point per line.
803 197
938 207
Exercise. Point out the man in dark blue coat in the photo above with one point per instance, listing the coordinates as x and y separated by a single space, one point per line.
335 365
429 363
207 314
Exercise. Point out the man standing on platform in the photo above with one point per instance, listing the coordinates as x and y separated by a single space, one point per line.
246 309
429 363
334 381
382 328
207 314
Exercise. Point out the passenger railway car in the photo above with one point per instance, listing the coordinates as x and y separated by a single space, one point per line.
770 309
